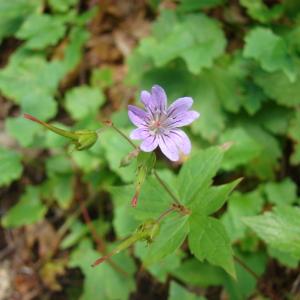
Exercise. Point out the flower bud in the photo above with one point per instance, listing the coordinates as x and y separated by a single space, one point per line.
85 139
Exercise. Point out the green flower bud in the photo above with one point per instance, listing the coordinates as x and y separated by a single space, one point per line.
86 139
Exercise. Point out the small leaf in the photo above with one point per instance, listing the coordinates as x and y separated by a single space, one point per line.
10 166
208 240
28 210
197 173
13 14
258 10
214 198
41 31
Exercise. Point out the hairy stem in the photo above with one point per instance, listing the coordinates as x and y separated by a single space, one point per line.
120 132
164 214
165 186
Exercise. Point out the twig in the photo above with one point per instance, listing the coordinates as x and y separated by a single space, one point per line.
100 243
242 264
167 189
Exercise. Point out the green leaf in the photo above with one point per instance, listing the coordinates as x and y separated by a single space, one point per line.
208 240
13 13
28 210
32 82
22 130
278 87
74 50
244 149
59 164
239 206
294 134
258 10
102 78
214 198
265 164
197 173
194 272
280 229
201 41
103 280
77 231
62 5
195 5
41 31
83 102
173 231
162 268
283 258
10 166
63 190
208 104
270 51
284 192
177 292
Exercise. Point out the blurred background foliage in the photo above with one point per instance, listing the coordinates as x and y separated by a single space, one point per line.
75 63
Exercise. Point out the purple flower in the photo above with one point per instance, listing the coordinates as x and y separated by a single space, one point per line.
158 125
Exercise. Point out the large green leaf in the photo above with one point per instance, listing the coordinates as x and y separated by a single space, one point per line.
201 41
10 166
279 229
208 240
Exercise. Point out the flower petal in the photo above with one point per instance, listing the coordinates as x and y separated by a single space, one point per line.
149 143
181 105
182 119
146 98
159 98
139 133
181 140
136 115
168 147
